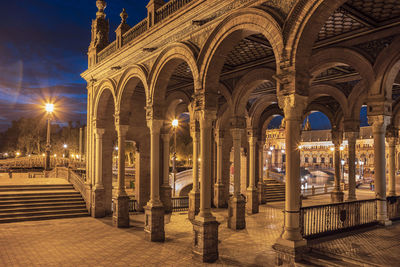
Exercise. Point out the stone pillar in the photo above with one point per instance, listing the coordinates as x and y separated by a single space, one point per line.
252 196
352 139
121 199
290 245
205 226
261 199
194 195
392 165
166 190
243 171
236 208
337 193
98 205
379 123
219 188
154 210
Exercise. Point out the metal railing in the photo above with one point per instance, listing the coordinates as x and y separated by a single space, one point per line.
180 203
170 8
393 207
133 205
325 219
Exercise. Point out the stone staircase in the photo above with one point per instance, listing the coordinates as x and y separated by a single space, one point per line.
40 202
322 259
274 190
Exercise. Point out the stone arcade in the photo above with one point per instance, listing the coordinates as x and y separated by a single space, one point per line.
233 65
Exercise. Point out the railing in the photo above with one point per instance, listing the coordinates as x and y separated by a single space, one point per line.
133 205
326 219
393 207
108 50
180 203
136 31
38 161
317 190
74 178
170 8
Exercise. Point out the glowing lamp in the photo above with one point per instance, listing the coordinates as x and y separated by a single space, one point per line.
49 107
175 123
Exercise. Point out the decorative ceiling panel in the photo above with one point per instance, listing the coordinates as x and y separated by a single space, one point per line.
378 10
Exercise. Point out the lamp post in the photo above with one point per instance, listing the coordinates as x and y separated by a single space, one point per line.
342 161
175 124
49 109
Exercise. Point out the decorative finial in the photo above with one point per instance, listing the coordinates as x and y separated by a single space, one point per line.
101 5
123 16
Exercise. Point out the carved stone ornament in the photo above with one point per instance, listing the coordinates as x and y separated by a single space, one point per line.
293 105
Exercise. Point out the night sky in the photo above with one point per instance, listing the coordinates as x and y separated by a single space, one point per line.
43 51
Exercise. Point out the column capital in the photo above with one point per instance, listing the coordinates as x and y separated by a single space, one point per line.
379 123
236 133
351 136
337 137
351 125
122 129
154 112
238 122
293 105
206 117
155 125
99 132
391 131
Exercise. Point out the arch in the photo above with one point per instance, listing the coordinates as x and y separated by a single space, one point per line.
231 30
331 57
166 64
387 66
323 109
301 29
173 100
266 118
319 90
105 94
258 108
246 86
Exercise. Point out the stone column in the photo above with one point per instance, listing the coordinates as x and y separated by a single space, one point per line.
205 226
392 165
194 194
154 210
290 245
252 196
219 188
121 199
98 205
236 206
166 190
379 123
337 193
352 139
261 199
243 171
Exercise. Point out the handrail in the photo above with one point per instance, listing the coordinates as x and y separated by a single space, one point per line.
170 8
108 50
134 32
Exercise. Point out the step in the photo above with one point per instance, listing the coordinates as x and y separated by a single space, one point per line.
319 259
40 213
27 188
37 196
34 186
41 204
43 208
44 217
40 200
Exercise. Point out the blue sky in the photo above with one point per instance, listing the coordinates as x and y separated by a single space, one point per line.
43 49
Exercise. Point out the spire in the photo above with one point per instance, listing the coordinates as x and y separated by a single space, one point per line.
122 28
123 16
100 32
307 126
101 5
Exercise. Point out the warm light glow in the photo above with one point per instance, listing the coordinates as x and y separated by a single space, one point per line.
175 123
65 145
332 149
283 150
49 107
77 156
271 148
341 148
343 162
29 155
116 148
73 155
6 154
43 155
55 155
18 154
300 147
269 153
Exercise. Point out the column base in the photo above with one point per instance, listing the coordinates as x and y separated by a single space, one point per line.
381 215
236 213
154 223
88 197
194 204
391 194
351 198
252 201
121 211
98 207
219 196
337 196
288 251
165 196
205 240
261 194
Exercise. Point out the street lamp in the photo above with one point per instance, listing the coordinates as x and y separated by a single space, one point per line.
175 124
49 109
343 162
